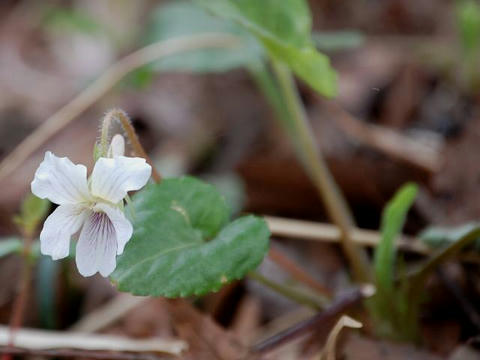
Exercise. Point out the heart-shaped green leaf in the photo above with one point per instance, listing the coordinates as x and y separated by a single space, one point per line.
182 244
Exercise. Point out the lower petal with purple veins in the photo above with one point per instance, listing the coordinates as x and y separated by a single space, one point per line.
97 246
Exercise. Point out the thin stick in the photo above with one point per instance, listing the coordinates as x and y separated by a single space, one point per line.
122 117
297 272
318 170
112 76
86 354
322 319
310 230
328 233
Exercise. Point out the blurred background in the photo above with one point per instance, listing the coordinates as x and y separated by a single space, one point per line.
407 110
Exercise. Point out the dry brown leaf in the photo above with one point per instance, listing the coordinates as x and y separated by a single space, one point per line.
206 339
328 352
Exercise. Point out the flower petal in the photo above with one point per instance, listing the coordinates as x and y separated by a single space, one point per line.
113 178
117 146
123 227
59 227
97 246
60 181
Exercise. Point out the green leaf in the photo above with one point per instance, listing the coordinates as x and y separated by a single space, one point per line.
284 28
286 21
9 246
69 20
181 18
393 219
183 244
232 188
390 309
439 236
338 40
32 212
468 19
45 290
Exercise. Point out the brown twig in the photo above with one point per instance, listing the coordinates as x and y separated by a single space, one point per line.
324 318
297 272
71 353
309 230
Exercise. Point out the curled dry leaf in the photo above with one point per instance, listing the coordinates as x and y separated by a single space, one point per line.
328 352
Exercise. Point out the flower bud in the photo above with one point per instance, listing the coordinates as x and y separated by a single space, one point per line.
117 146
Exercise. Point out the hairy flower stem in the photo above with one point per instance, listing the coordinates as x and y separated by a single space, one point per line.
129 131
318 171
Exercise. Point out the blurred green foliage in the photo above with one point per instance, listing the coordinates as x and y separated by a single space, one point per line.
390 306
284 29
32 212
71 20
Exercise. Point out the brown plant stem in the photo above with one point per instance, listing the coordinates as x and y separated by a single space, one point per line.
322 319
297 272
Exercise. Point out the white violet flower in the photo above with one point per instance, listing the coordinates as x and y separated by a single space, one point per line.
93 207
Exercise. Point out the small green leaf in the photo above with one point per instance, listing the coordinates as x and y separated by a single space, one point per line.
393 219
389 308
308 64
439 236
286 21
68 20
182 244
9 246
181 18
46 289
284 28
32 212
468 19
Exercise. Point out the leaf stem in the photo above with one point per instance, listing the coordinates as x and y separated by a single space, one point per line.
122 117
317 168
315 303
